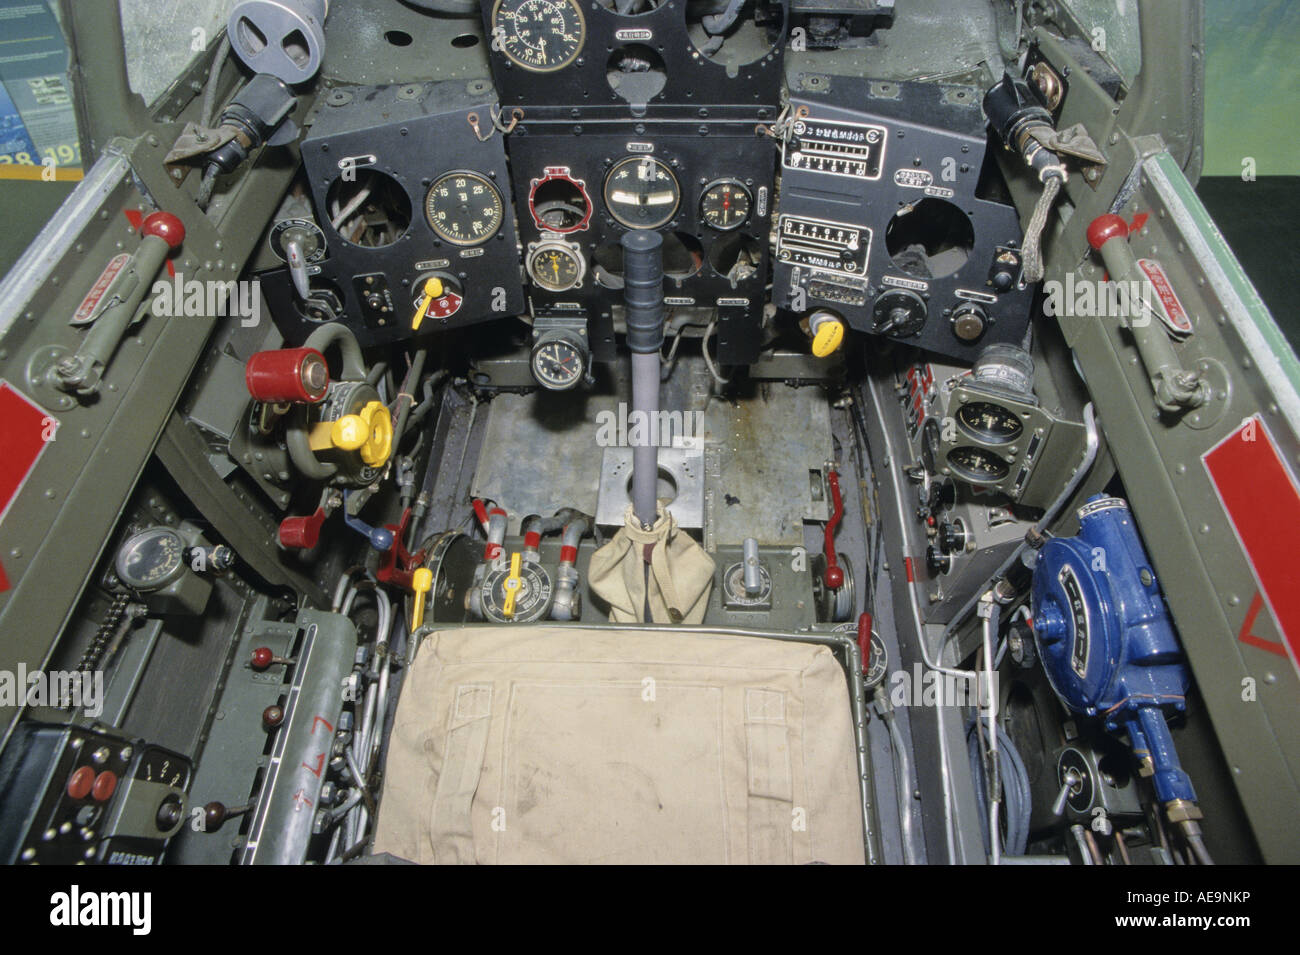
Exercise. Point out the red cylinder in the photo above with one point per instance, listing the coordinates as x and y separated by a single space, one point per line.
287 375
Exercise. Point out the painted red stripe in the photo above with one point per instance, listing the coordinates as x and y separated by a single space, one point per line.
1262 499
23 438
907 565
568 554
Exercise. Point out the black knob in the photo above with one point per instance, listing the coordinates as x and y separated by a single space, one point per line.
936 562
952 537
169 814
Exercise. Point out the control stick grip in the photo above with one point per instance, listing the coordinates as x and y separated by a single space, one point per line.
643 290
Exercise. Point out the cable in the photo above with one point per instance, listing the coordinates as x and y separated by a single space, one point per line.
1015 789
708 359
902 773
207 115
1053 177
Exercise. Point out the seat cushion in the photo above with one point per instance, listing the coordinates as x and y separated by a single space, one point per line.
571 745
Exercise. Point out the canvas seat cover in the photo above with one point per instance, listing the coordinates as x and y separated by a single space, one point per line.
569 745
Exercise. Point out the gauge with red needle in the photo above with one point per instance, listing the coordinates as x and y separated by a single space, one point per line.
560 358
725 204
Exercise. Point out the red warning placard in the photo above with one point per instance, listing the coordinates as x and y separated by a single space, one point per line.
1262 500
25 430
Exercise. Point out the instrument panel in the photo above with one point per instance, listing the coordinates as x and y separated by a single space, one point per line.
513 193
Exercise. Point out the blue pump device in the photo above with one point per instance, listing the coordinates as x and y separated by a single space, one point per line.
1105 638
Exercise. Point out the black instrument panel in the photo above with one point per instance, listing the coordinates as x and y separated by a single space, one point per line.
577 192
609 115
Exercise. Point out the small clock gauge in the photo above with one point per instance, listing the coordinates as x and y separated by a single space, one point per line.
725 204
559 359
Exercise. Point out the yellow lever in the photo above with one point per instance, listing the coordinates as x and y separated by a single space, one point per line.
512 585
370 431
432 290
421 583
828 335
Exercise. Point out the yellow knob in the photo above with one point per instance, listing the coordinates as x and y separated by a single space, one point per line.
432 290
421 583
828 335
370 432
512 585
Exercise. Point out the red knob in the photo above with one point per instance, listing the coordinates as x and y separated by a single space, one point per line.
287 374
262 658
79 783
1104 228
166 227
102 789
834 578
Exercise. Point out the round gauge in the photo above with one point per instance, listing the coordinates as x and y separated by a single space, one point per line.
559 361
725 204
151 559
540 36
556 266
989 422
641 192
464 208
977 465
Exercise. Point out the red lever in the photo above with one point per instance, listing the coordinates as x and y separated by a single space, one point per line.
1104 228
833 576
864 640
165 226
397 565
301 532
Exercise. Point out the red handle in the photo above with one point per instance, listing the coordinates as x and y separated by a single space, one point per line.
301 532
833 577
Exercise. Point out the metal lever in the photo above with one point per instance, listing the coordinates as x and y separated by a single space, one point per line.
1073 778
81 372
1176 389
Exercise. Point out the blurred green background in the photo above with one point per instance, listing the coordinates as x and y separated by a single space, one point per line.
1252 86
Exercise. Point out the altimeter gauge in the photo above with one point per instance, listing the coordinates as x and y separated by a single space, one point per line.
540 36
463 208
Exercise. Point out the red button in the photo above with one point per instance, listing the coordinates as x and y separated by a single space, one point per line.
104 786
79 783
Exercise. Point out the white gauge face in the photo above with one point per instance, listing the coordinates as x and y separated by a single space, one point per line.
558 365
463 208
540 36
642 193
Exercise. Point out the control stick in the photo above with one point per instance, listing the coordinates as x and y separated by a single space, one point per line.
643 284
